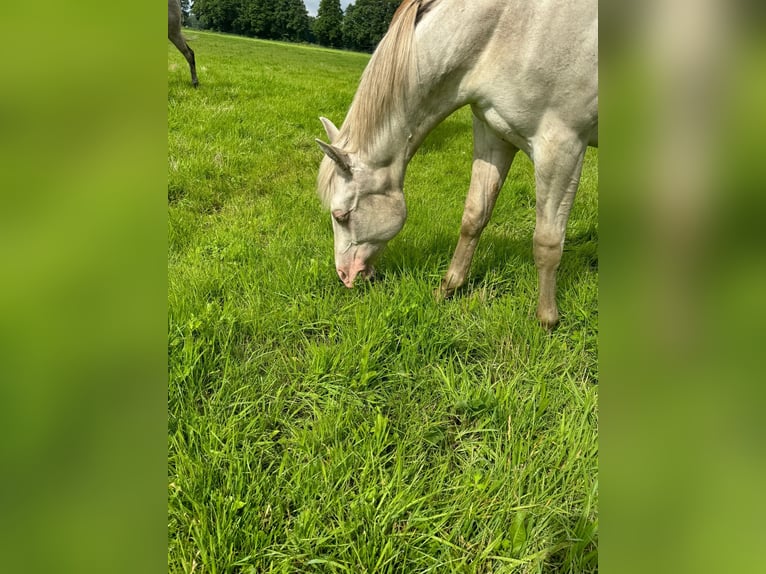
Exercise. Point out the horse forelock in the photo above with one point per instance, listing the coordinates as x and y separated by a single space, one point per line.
386 80
324 181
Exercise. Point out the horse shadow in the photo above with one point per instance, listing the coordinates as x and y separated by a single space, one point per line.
431 255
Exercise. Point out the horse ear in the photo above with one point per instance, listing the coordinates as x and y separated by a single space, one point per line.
339 156
330 129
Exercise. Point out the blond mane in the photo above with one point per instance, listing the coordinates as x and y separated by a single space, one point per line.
382 90
385 82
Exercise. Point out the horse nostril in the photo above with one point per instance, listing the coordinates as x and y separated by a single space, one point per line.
342 275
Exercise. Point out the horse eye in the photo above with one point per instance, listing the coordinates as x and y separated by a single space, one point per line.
340 216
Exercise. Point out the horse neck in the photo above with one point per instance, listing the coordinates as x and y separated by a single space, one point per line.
410 85
397 136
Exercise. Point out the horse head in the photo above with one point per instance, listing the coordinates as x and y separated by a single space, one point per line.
366 203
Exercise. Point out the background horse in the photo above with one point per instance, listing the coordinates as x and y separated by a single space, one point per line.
529 71
175 36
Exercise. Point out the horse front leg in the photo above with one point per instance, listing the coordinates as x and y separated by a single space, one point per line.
492 157
558 163
179 42
192 65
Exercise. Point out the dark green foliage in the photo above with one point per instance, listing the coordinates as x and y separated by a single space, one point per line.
185 11
328 26
293 20
218 14
366 22
361 28
271 19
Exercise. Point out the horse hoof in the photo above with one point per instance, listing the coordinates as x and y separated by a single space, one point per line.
548 321
442 294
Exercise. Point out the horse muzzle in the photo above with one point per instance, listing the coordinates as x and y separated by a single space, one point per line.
349 274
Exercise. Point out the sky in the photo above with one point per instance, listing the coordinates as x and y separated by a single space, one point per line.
312 5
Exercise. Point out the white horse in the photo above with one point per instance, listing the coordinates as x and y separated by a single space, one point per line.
529 70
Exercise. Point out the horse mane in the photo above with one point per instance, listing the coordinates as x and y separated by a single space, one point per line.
385 82
382 89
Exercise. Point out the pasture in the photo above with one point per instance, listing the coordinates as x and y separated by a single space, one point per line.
313 428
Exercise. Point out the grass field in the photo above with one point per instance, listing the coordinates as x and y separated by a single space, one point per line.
318 429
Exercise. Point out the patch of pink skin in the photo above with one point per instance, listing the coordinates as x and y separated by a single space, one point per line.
349 274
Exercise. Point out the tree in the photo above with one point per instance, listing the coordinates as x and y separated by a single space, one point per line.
295 21
271 19
328 26
185 11
311 36
351 28
218 15
366 22
256 18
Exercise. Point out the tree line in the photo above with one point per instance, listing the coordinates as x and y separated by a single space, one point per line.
360 27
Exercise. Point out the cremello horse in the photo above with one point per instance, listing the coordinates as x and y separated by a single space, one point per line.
175 36
529 70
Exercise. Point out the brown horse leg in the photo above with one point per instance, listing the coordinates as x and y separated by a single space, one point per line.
192 66
183 47
492 158
558 157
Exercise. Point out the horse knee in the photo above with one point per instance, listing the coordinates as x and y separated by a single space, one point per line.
474 220
547 249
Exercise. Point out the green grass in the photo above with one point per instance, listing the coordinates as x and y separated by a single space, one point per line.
318 429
